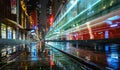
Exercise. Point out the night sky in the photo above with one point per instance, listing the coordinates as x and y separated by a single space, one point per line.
43 18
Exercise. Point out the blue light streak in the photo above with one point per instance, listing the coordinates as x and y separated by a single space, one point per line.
106 34
113 18
114 25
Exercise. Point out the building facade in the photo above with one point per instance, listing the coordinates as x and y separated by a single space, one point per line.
52 8
14 21
17 27
87 20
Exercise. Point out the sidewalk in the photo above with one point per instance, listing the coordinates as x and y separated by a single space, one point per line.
10 59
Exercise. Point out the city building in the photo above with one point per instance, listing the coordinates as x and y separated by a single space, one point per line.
52 8
15 22
59 34
87 20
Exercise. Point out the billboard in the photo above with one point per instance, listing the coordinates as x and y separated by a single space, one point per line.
13 6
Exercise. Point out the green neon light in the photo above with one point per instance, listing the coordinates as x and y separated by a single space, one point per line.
80 14
73 4
48 36
68 11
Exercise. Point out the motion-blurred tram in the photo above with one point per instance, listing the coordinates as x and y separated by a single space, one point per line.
104 27
87 20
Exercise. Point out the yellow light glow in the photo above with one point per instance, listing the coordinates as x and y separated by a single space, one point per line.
90 30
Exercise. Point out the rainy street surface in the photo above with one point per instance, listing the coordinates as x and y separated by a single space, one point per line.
103 56
60 56
40 57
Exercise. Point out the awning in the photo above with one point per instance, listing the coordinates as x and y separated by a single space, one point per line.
12 23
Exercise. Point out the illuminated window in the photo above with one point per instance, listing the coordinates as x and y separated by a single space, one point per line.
9 33
14 36
3 31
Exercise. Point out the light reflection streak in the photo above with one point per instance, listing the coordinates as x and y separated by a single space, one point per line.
90 31
33 52
79 14
113 57
73 4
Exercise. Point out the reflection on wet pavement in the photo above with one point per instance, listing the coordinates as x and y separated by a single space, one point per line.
40 57
106 56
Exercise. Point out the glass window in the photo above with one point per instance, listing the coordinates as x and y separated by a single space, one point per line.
69 16
104 4
14 36
74 11
9 32
81 5
68 5
97 8
19 35
3 31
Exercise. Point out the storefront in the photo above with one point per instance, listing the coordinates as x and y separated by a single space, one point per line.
9 33
3 31
14 34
